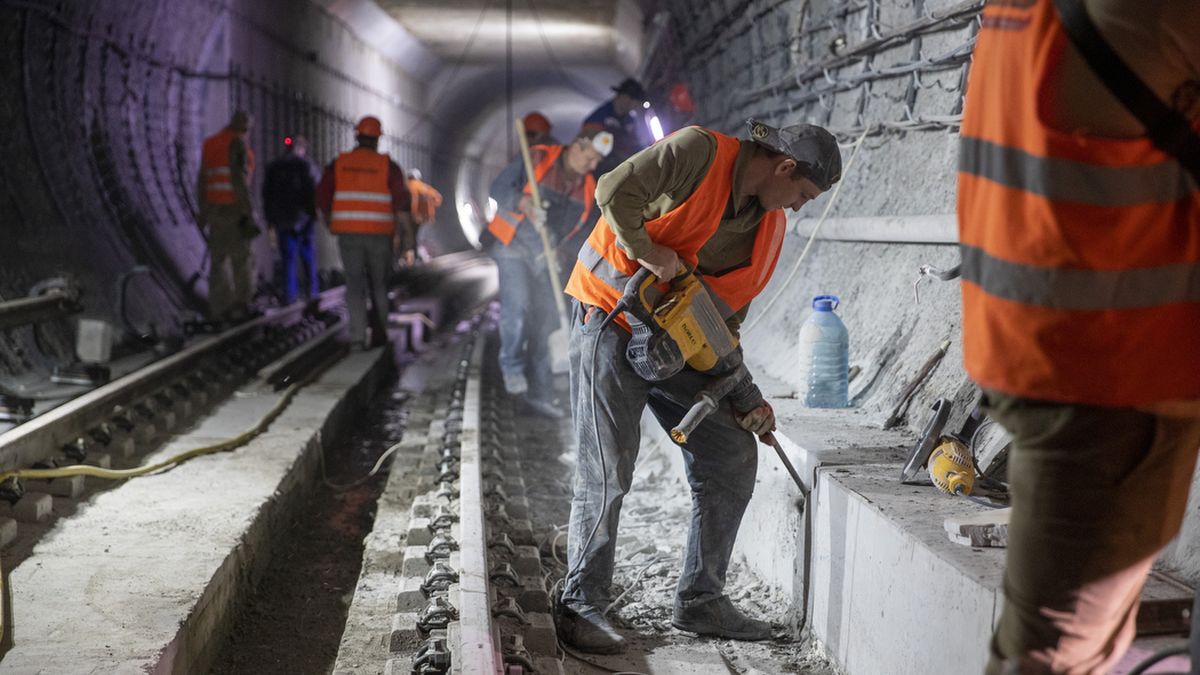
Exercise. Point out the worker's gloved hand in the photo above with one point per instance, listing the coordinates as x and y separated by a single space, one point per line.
536 215
661 261
757 421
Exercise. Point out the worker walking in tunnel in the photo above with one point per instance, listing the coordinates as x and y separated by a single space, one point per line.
713 203
226 165
425 199
364 197
527 309
289 205
1079 228
621 117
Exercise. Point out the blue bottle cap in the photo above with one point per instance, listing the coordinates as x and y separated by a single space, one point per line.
826 303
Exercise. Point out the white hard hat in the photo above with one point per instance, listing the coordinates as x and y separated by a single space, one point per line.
602 143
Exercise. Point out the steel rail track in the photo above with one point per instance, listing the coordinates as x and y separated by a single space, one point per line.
163 382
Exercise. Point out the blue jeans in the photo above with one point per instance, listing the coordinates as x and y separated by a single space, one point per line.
720 459
527 317
293 244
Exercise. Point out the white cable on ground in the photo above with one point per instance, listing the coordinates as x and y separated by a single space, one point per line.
342 487
837 190
636 582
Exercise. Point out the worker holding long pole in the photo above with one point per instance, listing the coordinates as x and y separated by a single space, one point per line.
544 203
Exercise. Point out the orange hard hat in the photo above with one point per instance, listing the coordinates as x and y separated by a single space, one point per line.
681 98
536 122
369 126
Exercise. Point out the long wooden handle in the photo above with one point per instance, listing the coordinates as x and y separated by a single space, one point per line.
547 248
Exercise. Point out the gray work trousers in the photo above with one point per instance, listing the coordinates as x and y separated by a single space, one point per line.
720 459
367 261
229 287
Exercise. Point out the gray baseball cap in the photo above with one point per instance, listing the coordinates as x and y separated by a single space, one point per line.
815 150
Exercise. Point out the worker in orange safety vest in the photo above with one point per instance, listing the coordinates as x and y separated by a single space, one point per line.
1080 240
527 307
426 200
225 212
364 198
715 203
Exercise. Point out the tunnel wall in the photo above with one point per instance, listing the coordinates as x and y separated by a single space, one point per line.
885 76
108 102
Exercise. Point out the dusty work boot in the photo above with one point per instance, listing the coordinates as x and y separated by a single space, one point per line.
718 617
585 628
515 384
544 408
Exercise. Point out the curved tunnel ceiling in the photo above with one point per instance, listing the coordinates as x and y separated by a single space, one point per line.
566 55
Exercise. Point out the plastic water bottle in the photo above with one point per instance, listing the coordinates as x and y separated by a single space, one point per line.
825 355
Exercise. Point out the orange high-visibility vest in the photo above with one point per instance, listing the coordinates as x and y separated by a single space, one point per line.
425 201
1081 255
504 224
214 166
362 201
603 268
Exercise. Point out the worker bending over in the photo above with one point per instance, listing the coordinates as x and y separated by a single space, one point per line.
714 203
426 200
226 165
1081 316
364 198
527 309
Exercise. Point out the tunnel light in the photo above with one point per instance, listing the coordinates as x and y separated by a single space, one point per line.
645 105
492 208
656 128
468 222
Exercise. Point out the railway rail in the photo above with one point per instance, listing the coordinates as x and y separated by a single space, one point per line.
469 592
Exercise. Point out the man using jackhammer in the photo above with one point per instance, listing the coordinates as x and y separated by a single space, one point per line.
713 203
527 309
1079 222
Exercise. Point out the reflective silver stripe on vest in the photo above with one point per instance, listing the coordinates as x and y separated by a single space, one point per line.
604 271
616 279
379 197
1070 181
362 215
220 186
1082 290
217 171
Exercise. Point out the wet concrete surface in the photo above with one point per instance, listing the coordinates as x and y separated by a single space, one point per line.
654 522
293 622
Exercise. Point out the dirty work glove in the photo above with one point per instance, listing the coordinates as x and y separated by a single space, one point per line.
536 215
758 421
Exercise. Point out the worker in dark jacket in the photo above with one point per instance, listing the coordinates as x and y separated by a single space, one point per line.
621 116
289 203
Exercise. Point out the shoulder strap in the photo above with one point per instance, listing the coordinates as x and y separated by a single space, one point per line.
1166 128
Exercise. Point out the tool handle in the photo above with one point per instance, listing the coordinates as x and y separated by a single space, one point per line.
703 407
560 302
769 439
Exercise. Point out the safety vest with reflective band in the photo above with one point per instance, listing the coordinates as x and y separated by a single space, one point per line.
362 201
603 268
1081 255
504 225
214 166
